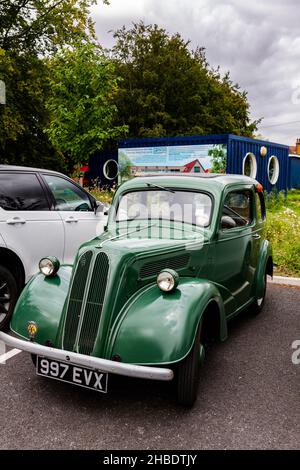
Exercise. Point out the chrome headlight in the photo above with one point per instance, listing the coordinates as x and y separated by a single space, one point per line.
167 280
49 266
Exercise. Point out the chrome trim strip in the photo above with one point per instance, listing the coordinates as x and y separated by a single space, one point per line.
103 365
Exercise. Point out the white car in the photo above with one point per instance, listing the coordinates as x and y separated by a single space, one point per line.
42 213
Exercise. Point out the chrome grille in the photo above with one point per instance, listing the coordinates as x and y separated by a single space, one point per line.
75 300
94 304
84 308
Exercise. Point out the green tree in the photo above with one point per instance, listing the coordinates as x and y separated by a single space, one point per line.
41 26
125 165
23 117
219 158
167 89
81 102
31 30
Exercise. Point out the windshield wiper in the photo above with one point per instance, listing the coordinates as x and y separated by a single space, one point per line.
117 237
160 187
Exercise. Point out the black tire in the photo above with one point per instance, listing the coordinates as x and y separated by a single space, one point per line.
8 296
188 373
258 304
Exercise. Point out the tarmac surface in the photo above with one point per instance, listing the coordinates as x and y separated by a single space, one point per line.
248 397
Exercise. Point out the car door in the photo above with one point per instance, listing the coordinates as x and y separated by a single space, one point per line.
74 205
235 249
27 225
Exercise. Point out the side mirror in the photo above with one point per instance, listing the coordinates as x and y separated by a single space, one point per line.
98 206
227 222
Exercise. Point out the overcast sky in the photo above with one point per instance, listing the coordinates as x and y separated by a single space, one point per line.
257 41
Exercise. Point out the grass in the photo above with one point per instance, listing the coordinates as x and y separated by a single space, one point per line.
282 228
283 231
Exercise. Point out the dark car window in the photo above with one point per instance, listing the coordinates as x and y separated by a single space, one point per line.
181 206
68 197
21 192
238 206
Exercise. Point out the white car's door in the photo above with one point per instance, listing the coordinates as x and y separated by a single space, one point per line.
27 225
74 206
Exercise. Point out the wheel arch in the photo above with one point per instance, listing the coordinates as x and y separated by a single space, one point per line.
157 328
265 265
212 322
270 266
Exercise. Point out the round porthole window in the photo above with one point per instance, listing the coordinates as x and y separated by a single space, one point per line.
273 169
111 169
250 165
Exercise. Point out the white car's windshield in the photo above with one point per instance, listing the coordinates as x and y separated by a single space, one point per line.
174 205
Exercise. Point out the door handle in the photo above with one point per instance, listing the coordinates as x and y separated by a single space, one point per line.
70 220
16 220
256 236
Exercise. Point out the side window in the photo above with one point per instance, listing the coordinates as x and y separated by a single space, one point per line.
237 210
260 207
22 192
68 197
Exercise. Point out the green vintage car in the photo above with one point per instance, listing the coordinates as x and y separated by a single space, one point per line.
181 256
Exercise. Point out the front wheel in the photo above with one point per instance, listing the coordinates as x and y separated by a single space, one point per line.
188 373
8 296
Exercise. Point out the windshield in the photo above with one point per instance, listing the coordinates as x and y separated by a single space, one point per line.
180 206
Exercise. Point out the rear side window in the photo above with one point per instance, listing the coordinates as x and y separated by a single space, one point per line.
21 192
238 206
260 207
68 197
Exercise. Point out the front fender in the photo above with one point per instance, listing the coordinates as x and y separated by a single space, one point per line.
42 301
159 328
264 255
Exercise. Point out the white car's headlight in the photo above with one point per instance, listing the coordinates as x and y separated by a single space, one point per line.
49 266
167 280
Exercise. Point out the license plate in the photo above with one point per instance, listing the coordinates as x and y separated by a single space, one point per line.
71 373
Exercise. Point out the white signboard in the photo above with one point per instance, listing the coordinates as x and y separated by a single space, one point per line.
196 159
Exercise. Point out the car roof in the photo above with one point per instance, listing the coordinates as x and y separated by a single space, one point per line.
202 180
25 169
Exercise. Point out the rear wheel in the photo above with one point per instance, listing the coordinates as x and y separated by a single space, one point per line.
8 296
258 304
188 373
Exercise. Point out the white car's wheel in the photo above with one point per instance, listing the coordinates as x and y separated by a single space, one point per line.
8 296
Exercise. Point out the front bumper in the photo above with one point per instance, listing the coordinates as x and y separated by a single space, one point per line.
103 365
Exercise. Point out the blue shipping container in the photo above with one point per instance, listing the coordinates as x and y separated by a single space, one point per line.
270 161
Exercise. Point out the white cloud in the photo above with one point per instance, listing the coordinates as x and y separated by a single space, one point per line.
257 41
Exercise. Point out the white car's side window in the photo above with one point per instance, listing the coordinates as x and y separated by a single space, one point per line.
68 196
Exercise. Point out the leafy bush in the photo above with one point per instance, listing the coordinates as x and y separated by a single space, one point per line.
282 230
275 200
